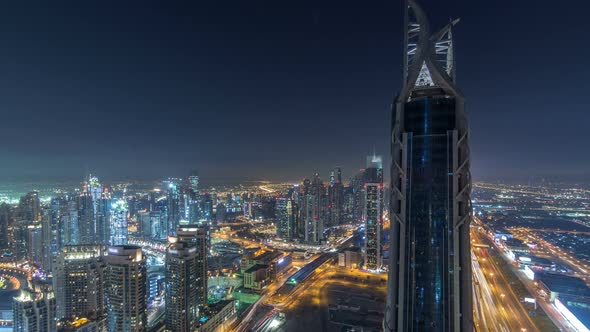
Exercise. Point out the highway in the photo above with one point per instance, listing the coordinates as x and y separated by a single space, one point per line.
279 295
498 307
558 320
485 310
547 307
245 323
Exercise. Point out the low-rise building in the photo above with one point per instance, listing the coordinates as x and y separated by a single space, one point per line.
554 285
350 258
217 317
536 262
83 325
576 309
277 261
257 277
501 234
516 246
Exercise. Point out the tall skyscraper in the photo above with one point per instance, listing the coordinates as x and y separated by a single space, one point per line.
193 181
94 188
35 243
220 211
182 286
118 228
20 233
126 275
60 217
313 210
86 219
286 214
6 225
144 224
91 212
173 207
429 286
79 281
158 225
71 230
304 203
373 212
103 217
29 207
51 238
335 206
198 237
193 205
34 309
206 208
357 183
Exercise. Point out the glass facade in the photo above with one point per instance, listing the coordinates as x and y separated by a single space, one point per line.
428 121
373 225
429 285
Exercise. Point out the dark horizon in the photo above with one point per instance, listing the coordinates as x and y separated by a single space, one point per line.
269 91
533 180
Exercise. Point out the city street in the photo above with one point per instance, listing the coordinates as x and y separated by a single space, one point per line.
502 309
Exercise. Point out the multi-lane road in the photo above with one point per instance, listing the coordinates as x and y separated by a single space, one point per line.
498 307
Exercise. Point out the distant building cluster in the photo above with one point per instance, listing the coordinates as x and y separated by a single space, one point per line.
111 258
311 212
84 269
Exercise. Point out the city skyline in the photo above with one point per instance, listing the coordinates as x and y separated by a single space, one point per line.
167 88
271 167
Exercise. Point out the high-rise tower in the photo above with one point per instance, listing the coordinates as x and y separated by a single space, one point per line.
373 212
118 227
429 287
198 237
86 218
313 210
79 281
126 275
335 197
103 217
286 213
34 309
173 207
183 284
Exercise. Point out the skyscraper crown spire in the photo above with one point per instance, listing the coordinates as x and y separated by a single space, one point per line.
429 60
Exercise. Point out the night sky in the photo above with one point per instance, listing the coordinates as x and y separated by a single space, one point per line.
276 89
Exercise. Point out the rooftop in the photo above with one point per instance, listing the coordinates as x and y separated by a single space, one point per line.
267 256
564 284
579 306
212 310
256 267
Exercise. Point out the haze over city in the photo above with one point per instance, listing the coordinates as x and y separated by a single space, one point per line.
135 90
